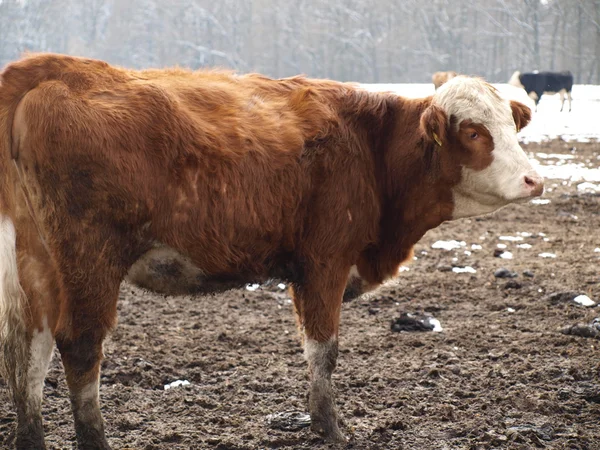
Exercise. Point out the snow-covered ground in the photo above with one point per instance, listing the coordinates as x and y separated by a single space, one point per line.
581 124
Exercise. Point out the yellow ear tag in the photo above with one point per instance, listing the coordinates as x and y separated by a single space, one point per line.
437 139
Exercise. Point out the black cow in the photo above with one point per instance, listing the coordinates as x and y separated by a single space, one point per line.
538 83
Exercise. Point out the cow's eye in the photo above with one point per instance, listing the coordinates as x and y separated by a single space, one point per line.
474 135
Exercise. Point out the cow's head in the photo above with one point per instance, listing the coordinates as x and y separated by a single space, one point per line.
476 131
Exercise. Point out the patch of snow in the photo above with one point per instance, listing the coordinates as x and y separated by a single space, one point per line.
540 201
252 287
501 245
571 171
506 255
403 269
525 246
467 252
176 383
510 310
524 233
584 300
554 156
588 187
437 326
281 286
466 269
448 245
597 250
510 238
476 247
547 255
549 123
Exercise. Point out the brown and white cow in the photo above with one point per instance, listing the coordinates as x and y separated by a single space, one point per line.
216 180
440 78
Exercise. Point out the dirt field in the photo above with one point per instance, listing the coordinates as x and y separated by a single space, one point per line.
499 376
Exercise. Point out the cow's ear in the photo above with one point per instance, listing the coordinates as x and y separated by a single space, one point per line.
521 113
434 124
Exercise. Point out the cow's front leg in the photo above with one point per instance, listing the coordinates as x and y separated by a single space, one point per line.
318 304
322 357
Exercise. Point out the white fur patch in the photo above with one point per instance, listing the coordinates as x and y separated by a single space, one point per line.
11 293
40 355
318 354
88 405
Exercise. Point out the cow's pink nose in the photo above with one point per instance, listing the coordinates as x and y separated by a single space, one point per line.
535 184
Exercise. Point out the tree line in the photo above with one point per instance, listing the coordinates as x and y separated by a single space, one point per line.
369 41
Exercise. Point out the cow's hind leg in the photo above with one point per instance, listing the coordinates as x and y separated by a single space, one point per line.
30 433
318 304
81 354
26 342
89 314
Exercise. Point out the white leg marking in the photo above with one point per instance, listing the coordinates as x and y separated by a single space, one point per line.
40 355
562 98
87 405
321 356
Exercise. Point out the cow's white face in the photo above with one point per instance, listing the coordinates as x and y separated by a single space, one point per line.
483 131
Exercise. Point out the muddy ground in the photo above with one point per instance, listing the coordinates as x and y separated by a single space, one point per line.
499 376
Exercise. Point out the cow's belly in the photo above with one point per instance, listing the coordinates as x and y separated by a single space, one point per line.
166 271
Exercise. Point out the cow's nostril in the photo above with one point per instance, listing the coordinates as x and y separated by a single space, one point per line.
529 182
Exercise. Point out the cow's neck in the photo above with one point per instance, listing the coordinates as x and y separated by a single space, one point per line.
415 191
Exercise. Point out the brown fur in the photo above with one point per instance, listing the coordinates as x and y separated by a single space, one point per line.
244 176
440 78
521 114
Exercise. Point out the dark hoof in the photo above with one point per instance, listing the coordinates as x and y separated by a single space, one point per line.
30 436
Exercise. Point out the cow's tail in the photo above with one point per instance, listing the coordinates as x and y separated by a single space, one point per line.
15 81
14 350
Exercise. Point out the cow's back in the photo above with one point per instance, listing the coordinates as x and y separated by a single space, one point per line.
548 82
194 160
